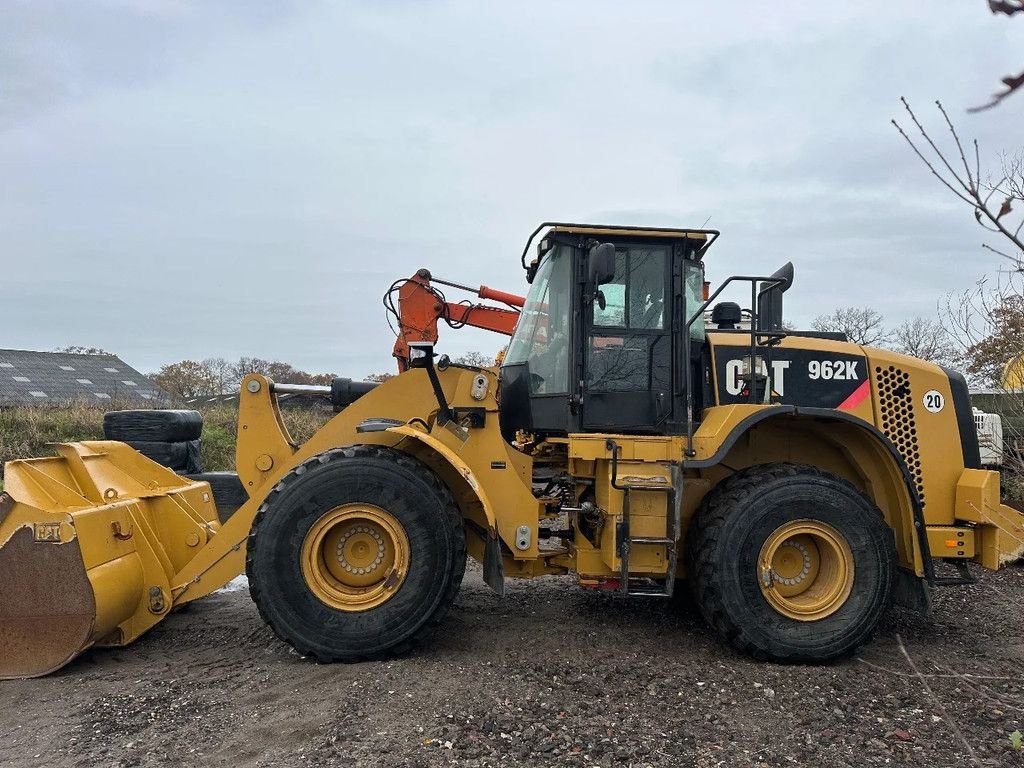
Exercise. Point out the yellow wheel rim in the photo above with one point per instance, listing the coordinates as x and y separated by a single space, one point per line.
805 569
355 557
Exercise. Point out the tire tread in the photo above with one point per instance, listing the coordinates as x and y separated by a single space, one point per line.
732 494
448 505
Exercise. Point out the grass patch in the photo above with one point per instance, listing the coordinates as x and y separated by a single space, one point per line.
26 431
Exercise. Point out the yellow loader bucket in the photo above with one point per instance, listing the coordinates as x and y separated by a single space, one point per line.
89 542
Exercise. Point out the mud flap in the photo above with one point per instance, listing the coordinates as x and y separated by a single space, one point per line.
494 570
911 592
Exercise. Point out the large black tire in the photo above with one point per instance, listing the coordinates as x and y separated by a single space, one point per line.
228 491
385 478
181 457
736 519
153 426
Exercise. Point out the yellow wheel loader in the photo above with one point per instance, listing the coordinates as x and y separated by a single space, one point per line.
638 435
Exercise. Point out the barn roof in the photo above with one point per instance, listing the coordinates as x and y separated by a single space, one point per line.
40 378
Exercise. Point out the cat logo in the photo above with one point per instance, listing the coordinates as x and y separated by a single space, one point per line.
47 532
734 370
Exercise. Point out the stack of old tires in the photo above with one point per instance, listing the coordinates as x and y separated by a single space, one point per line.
172 438
228 492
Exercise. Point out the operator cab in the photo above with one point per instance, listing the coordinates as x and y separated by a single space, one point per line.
599 346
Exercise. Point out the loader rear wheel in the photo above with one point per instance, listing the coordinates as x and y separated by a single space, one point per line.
356 554
790 563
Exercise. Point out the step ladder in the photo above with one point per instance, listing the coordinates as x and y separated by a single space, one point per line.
648 585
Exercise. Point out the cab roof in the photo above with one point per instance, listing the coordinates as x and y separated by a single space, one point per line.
706 236
606 229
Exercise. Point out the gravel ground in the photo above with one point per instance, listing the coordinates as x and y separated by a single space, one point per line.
549 675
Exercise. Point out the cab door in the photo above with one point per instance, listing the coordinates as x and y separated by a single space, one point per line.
627 383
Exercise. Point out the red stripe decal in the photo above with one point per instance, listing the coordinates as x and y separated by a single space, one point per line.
855 399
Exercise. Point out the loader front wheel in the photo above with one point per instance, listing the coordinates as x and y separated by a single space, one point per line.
356 554
790 563
355 557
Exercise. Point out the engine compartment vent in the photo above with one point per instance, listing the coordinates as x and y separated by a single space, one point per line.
897 408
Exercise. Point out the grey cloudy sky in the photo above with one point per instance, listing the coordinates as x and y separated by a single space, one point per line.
189 179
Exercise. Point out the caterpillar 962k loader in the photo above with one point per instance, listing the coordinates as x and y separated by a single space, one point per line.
797 483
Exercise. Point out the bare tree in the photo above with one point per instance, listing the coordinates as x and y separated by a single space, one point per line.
223 374
862 325
924 339
286 373
476 359
992 200
247 365
985 324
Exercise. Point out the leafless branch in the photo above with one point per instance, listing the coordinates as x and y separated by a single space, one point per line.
969 187
924 339
862 325
951 673
938 703
993 188
971 182
1007 256
984 690
1012 83
983 225
937 152
930 167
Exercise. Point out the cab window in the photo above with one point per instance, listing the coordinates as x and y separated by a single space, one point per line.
635 298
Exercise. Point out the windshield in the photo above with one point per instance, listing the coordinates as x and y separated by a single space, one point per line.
542 336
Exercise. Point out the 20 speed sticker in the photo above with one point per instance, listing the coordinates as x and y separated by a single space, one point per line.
934 401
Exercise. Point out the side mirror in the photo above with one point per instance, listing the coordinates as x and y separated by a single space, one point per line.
601 263
769 299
